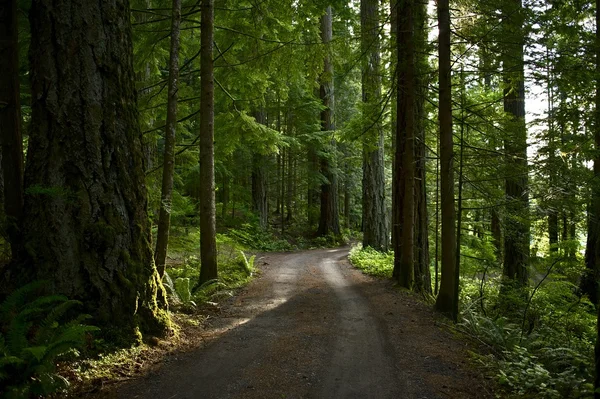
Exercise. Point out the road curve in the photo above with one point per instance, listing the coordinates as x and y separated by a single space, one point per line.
313 327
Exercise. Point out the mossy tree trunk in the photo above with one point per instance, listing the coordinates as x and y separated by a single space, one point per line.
86 224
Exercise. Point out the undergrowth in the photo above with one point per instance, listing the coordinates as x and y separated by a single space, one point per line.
539 340
372 262
37 330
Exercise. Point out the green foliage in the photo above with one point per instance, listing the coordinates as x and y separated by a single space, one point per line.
36 331
372 262
540 339
253 237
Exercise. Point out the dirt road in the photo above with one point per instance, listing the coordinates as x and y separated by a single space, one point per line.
311 326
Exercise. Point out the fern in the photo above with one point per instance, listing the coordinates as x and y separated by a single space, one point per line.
36 331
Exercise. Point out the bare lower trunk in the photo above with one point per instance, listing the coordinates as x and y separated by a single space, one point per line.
375 233
404 179
329 219
446 295
208 243
164 219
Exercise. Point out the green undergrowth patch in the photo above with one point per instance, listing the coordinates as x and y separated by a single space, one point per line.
538 341
372 262
235 264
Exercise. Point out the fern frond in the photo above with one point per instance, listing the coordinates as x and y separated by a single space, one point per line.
17 299
48 325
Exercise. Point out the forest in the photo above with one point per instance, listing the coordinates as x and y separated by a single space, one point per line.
151 149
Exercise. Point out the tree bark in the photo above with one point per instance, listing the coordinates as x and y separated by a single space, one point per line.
422 270
208 242
516 237
446 296
86 219
329 219
10 124
375 234
164 218
404 179
259 181
592 253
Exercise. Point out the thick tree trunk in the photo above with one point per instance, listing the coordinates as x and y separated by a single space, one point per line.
446 295
208 243
329 219
164 219
422 270
591 277
404 179
10 124
86 220
375 232
394 225
516 237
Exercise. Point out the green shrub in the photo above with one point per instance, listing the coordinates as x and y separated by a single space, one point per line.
372 262
36 331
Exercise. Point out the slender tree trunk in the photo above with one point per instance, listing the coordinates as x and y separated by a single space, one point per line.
329 218
164 219
496 228
86 219
208 243
516 238
313 193
553 230
259 181
290 186
592 253
404 180
10 124
375 232
446 295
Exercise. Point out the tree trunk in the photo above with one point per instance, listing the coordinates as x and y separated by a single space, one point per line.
422 270
259 181
553 230
312 194
375 234
86 219
446 295
496 228
329 219
10 124
591 277
164 219
404 180
208 243
516 237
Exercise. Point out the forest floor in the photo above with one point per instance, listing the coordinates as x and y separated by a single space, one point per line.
312 326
